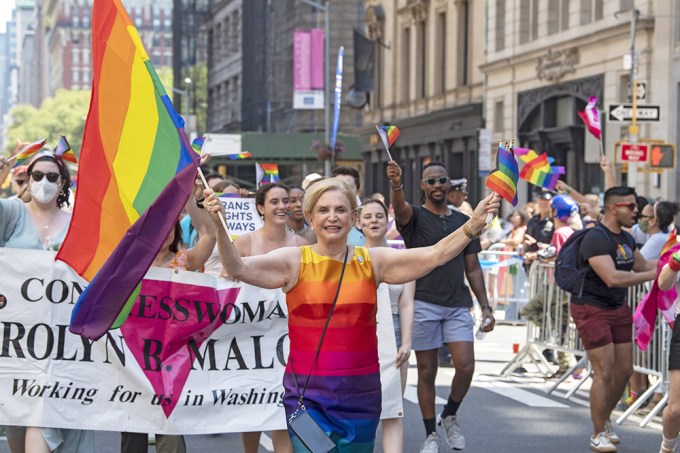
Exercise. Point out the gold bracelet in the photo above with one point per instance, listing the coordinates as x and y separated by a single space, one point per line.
468 232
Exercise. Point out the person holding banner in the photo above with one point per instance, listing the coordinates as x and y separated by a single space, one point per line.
272 203
41 224
335 388
373 223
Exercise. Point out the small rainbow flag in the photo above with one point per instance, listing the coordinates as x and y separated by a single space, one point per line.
239 156
670 242
503 179
388 135
537 169
197 144
24 156
63 150
267 173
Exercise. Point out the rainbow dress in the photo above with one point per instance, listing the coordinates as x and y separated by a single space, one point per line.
343 395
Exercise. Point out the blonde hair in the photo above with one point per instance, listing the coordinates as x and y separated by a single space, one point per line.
316 190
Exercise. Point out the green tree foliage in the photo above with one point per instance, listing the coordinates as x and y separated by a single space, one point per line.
64 113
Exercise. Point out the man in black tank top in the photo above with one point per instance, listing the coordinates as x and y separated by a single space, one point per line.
442 300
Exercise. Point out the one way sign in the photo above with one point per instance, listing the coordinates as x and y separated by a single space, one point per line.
624 112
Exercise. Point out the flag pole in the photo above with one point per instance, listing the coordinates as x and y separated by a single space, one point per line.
222 219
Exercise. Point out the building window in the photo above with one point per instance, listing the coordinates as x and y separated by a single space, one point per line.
440 61
463 43
558 16
500 25
405 65
86 77
498 116
75 19
599 9
75 55
626 5
421 60
564 19
75 76
377 75
86 56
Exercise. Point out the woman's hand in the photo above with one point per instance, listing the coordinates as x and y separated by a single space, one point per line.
489 205
213 205
403 354
198 189
3 162
604 163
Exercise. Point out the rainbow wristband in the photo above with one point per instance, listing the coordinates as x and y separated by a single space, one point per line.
674 264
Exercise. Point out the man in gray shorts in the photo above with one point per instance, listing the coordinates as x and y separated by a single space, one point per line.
442 300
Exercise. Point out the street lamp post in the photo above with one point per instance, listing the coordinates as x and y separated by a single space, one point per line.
187 85
327 83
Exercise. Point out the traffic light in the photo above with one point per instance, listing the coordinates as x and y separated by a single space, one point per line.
662 156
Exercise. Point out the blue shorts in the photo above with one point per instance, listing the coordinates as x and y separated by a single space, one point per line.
434 325
396 321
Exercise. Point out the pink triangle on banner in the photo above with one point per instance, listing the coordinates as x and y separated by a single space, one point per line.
159 341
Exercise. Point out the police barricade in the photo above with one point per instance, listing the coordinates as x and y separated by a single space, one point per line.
653 362
551 327
505 280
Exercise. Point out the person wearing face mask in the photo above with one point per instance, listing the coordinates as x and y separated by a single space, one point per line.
41 224
656 220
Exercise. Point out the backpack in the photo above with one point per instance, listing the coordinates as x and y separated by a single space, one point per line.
569 274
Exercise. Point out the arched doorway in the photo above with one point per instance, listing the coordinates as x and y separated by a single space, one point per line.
548 122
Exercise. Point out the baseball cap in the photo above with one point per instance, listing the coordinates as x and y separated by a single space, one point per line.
564 207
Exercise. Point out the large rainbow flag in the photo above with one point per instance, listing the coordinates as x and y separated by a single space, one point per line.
503 179
136 173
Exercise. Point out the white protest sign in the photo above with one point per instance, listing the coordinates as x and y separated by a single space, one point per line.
242 216
221 144
197 355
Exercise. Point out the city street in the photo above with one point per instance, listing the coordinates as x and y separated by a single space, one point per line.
499 414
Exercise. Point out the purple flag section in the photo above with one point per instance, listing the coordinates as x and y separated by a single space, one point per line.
104 298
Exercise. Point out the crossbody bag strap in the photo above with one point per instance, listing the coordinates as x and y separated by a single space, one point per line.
301 395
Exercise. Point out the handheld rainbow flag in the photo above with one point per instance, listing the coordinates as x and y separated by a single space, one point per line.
266 173
503 179
388 135
24 156
239 156
671 241
137 174
197 144
537 169
63 150
591 118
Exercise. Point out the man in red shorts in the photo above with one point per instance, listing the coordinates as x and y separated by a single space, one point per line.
602 315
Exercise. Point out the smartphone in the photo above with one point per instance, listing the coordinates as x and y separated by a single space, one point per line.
310 434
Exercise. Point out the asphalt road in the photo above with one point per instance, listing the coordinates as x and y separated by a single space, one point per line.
499 414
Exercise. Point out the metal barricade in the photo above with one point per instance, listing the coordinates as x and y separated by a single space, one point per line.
550 326
553 328
505 280
653 362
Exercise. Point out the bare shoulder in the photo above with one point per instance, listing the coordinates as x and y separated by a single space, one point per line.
243 244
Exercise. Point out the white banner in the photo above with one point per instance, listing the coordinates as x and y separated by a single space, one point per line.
197 355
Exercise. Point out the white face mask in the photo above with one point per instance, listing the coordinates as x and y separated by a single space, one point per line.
44 191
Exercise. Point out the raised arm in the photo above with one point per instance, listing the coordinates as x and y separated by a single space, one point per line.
402 210
609 180
401 266
276 269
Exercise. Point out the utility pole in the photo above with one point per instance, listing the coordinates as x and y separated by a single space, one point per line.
326 9
633 128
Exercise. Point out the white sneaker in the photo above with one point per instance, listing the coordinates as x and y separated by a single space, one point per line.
454 437
666 450
613 437
601 442
431 444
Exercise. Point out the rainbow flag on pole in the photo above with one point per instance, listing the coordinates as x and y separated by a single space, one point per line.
63 149
538 169
503 179
239 156
266 173
388 135
136 173
24 156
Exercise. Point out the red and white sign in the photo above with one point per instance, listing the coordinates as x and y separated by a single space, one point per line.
634 152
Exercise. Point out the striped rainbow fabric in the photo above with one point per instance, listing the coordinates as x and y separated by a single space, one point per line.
503 179
239 156
24 156
131 146
63 150
344 393
388 135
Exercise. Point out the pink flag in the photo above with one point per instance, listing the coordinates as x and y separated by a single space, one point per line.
591 118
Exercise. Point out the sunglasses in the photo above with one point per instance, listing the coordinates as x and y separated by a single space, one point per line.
632 205
37 175
432 181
